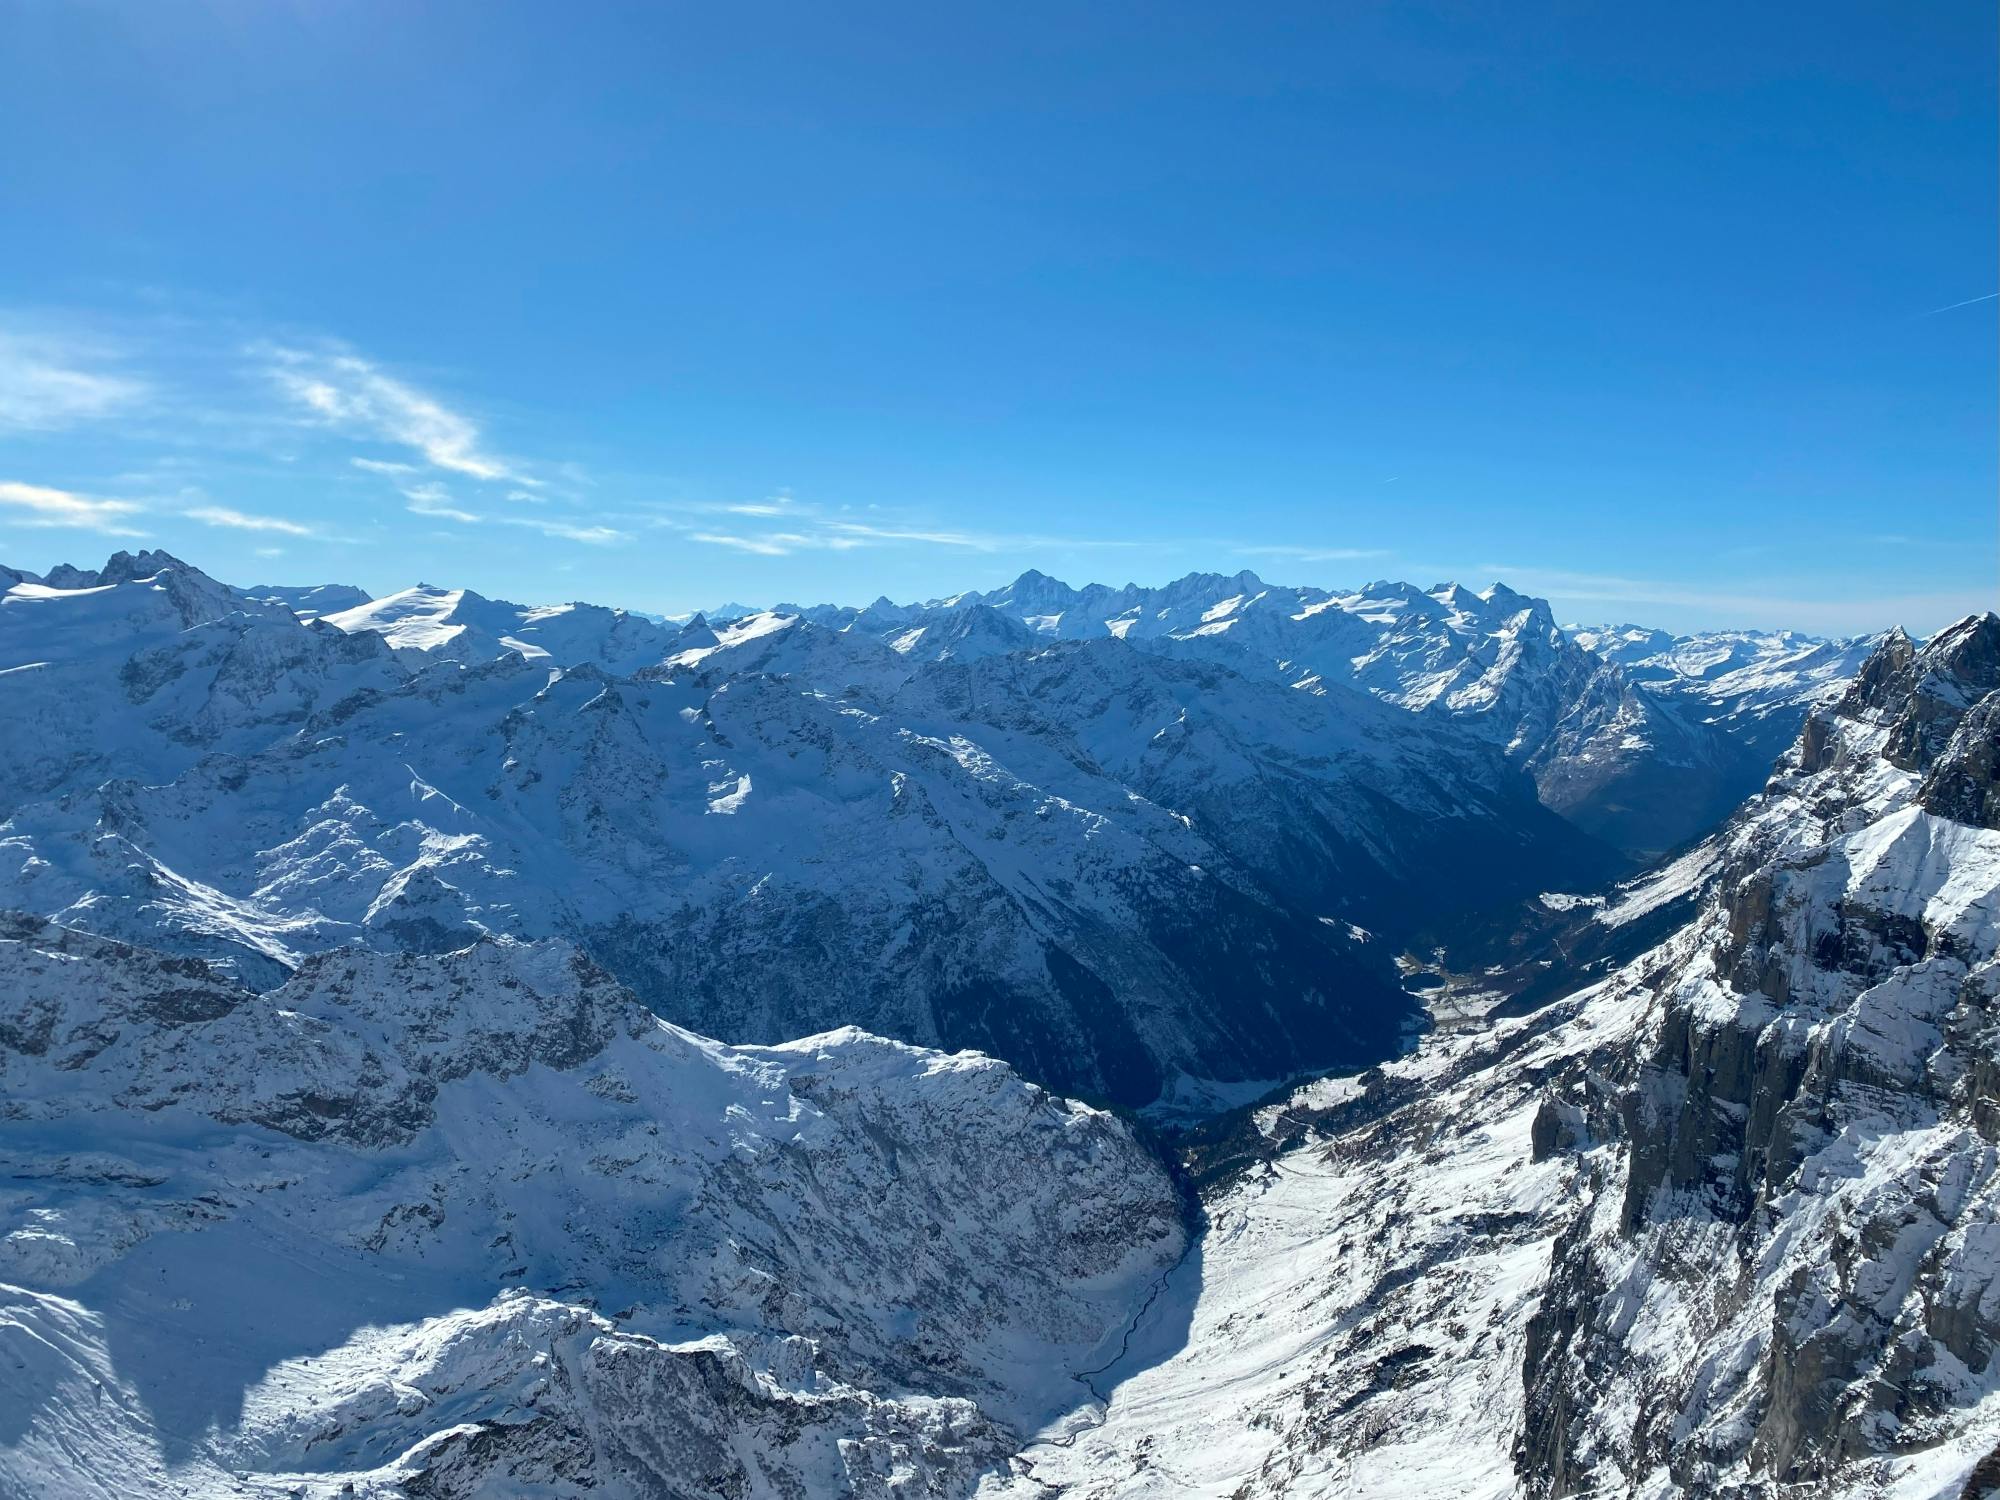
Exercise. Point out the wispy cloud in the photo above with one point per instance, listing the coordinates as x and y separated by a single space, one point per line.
1315 554
222 515
45 384
435 500
976 541
762 546
845 536
345 390
812 528
39 505
383 466
596 536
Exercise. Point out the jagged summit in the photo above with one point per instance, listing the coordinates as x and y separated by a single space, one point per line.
1719 1223
121 567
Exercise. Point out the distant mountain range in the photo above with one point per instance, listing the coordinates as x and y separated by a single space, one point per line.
366 1132
1070 827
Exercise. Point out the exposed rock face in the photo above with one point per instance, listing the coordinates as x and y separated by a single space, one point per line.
1726 1223
1811 1127
478 1223
1964 784
1922 696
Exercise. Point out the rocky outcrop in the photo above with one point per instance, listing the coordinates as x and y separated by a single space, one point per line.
1964 784
1725 1223
1811 1125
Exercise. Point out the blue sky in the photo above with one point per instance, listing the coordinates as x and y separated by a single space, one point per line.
1646 308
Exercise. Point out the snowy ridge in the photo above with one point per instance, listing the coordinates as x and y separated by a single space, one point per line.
531 1236
458 625
347 1149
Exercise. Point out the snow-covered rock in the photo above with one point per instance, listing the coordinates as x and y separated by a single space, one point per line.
1068 827
1646 743
310 601
478 1223
1079 858
1722 1224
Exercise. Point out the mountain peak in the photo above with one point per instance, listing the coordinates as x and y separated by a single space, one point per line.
120 567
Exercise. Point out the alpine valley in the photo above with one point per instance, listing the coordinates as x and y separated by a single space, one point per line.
1220 1039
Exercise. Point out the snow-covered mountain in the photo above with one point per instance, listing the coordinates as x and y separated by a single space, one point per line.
1721 704
310 601
458 625
1646 743
1049 859
1642 739
354 1143
1727 1223
1064 826
479 1224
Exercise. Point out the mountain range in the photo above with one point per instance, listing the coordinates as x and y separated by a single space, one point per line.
1070 828
404 1093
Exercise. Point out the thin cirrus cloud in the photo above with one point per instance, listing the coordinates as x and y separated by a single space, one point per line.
46 385
596 536
861 534
41 505
809 528
845 536
769 544
1316 554
435 501
347 391
344 390
236 520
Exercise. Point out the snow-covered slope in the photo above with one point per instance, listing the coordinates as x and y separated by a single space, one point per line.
458 625
1109 866
981 822
478 1224
760 860
1642 739
1727 1223
1730 700
142 676
363 1170
832 661
310 601
1646 744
